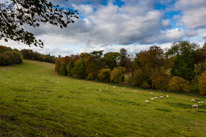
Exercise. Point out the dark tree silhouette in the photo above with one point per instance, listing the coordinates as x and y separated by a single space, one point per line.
16 14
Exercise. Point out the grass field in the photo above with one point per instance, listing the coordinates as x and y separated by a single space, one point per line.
35 101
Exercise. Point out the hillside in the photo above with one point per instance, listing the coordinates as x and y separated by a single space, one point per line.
35 101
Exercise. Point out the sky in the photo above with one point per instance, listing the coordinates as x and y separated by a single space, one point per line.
113 24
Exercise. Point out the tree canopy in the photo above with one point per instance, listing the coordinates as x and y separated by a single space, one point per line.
16 14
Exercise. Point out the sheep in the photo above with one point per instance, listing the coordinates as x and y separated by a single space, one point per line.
155 97
201 102
193 100
152 98
167 96
161 96
151 92
147 101
114 86
194 106
100 89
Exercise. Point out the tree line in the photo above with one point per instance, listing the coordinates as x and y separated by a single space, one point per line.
10 56
182 68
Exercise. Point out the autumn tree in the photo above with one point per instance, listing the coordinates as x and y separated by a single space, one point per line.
16 14
146 65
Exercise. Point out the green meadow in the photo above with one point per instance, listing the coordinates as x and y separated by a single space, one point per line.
35 101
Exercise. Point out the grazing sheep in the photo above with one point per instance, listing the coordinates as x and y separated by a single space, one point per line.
100 90
201 102
193 100
194 106
147 101
151 92
167 96
155 97
152 98
161 96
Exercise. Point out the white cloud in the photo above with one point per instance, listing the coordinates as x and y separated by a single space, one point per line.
193 13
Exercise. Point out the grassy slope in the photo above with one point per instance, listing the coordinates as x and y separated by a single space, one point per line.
36 101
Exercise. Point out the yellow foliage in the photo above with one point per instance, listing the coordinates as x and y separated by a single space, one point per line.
178 84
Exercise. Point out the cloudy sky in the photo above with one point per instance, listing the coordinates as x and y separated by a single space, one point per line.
131 24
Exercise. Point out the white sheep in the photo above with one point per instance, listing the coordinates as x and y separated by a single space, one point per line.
151 92
152 98
147 101
193 100
161 96
155 97
100 89
201 102
167 96
194 106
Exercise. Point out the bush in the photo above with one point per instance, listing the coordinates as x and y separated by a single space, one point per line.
178 84
202 84
104 75
63 69
10 57
117 75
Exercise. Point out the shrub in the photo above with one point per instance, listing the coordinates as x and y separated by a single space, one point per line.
117 75
63 69
104 75
202 84
10 57
178 84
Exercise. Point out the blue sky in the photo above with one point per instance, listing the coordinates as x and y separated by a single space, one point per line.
131 24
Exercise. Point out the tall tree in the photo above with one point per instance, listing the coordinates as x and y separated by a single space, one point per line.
184 61
16 14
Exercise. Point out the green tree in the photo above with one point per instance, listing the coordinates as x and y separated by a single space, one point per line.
15 14
111 59
70 67
184 62
63 69
79 69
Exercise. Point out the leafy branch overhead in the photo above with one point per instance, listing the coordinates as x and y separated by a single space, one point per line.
16 14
